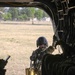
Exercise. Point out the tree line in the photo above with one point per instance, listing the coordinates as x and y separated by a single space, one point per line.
21 13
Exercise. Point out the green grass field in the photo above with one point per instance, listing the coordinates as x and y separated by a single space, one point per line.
19 41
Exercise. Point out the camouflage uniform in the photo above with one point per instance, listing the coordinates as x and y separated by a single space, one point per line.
37 56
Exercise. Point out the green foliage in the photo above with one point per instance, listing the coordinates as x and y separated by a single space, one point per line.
22 17
7 16
32 13
45 14
39 14
24 13
14 12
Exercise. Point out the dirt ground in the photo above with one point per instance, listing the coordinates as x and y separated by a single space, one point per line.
19 41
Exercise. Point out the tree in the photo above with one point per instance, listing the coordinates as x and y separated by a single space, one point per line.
26 12
32 12
21 13
45 14
39 14
1 12
22 17
7 16
14 12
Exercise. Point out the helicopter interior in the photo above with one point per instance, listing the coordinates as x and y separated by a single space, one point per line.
62 13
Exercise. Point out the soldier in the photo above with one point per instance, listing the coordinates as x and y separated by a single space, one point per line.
38 54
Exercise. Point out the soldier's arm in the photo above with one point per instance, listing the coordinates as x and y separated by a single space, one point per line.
33 56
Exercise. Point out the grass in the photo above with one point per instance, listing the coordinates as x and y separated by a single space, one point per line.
19 41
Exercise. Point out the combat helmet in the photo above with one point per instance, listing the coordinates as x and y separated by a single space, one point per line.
41 40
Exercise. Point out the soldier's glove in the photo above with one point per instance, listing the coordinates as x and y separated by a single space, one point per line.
50 49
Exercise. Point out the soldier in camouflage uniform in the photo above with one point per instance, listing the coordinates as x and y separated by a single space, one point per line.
38 54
